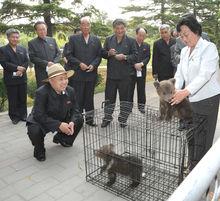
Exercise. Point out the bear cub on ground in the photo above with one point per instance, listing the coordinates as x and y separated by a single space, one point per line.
127 165
166 90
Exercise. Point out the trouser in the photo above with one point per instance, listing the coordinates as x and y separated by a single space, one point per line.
112 86
141 95
162 77
202 138
85 97
36 134
17 101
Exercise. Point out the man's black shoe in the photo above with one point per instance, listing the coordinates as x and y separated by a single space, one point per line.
105 123
123 125
57 140
39 153
15 121
24 119
91 124
142 110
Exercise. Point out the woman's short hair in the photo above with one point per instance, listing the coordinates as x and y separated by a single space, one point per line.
11 31
192 23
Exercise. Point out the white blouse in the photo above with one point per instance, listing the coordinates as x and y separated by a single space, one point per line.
199 70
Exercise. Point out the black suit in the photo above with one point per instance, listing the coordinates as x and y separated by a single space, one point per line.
41 51
161 63
49 110
16 86
118 73
84 82
143 56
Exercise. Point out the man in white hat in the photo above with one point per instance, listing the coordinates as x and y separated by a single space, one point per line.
55 110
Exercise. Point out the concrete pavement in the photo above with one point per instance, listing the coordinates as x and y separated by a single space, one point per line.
61 177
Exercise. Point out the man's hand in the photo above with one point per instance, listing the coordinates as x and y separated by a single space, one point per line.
83 66
65 60
112 52
21 68
120 57
19 73
138 66
91 68
65 128
50 63
71 127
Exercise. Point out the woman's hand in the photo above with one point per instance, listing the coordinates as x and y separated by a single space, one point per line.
179 96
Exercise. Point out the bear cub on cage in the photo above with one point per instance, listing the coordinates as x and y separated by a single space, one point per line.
127 165
165 90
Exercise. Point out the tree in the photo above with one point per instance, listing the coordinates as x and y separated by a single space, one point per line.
14 10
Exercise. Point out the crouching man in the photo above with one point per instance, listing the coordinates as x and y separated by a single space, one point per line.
55 110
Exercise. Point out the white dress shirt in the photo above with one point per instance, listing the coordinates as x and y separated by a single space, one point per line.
199 70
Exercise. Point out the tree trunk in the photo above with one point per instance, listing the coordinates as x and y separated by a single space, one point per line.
47 19
194 8
163 12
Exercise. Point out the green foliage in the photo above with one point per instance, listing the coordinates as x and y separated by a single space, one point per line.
58 19
3 94
170 11
31 85
99 79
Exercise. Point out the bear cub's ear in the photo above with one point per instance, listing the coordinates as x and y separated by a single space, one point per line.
156 84
173 80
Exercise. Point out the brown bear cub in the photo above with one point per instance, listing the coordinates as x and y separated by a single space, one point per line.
183 110
128 165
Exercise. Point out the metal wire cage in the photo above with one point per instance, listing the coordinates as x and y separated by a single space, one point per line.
159 145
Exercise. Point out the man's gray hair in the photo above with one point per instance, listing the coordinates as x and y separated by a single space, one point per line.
164 26
118 22
11 31
85 18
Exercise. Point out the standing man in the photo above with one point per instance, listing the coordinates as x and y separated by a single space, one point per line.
120 52
161 63
84 57
139 77
14 60
43 52
65 50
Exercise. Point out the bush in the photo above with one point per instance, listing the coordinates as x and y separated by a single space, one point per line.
99 80
3 93
31 85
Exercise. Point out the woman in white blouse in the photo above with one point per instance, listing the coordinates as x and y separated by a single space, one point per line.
198 71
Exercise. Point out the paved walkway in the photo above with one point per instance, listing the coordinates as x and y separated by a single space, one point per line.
61 177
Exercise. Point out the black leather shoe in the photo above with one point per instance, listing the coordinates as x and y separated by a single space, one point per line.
91 124
39 153
15 121
57 140
142 110
123 125
24 119
105 123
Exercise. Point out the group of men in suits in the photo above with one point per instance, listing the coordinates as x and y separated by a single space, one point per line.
126 65
127 59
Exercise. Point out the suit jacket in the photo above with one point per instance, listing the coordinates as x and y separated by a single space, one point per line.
10 60
161 62
143 56
50 108
41 51
120 69
78 51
